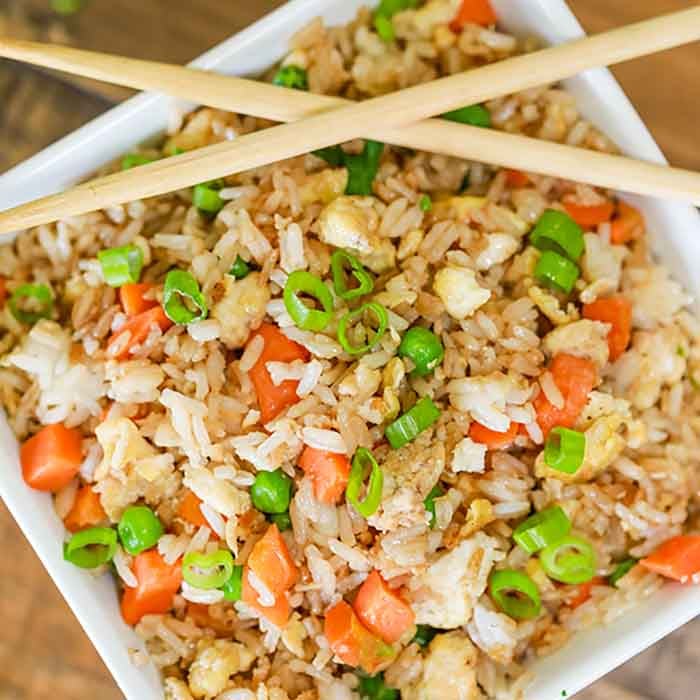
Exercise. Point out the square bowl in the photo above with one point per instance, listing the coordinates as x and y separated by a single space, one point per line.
675 235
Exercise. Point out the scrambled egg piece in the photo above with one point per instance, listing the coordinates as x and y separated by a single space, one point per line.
347 222
458 207
445 594
409 474
131 468
499 247
323 186
241 307
460 291
651 363
449 670
215 663
549 305
582 338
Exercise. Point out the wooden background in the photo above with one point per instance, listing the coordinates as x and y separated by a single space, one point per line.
44 655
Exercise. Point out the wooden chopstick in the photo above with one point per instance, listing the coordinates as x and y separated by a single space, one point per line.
327 123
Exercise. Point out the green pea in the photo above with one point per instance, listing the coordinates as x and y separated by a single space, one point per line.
424 348
271 492
139 529
282 520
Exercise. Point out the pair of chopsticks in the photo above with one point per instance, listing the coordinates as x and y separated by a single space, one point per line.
324 121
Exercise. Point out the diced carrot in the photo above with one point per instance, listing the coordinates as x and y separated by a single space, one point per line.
575 378
474 12
589 216
87 510
678 559
157 585
273 399
132 298
272 563
627 226
382 610
584 590
52 457
517 178
352 642
138 327
617 311
491 438
277 614
328 471
190 511
3 291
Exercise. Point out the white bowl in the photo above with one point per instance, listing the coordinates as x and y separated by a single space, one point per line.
676 235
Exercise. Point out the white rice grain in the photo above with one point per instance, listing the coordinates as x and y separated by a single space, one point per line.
122 563
320 439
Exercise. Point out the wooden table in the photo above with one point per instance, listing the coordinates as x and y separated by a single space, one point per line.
44 655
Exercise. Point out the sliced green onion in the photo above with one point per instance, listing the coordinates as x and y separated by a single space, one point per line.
557 231
382 318
515 593
474 115
423 348
570 560
239 269
429 502
139 529
133 160
282 520
271 492
542 529
622 569
67 7
181 293
39 297
121 265
344 264
207 199
233 588
293 77
408 426
91 548
363 464
306 317
374 688
424 635
425 203
207 571
362 168
556 271
385 28
389 8
565 450
333 155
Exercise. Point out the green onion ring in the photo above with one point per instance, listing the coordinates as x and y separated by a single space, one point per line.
39 292
91 547
515 593
121 265
340 260
570 560
305 317
408 426
364 463
564 450
207 571
179 284
542 529
382 324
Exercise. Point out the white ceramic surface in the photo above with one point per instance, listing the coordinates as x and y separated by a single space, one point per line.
675 229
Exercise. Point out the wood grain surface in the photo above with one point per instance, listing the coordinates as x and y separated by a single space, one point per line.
44 655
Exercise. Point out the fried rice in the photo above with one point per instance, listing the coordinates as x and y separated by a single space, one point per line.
174 417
